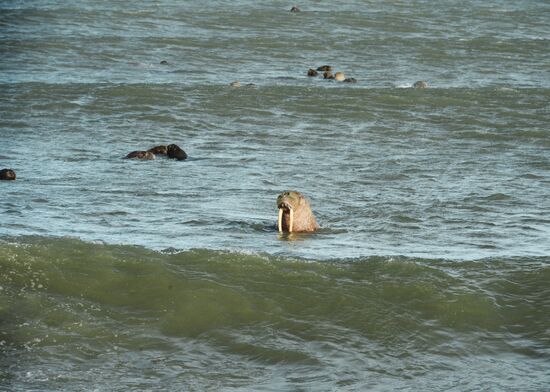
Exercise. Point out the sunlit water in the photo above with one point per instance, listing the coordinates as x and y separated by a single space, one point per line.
430 271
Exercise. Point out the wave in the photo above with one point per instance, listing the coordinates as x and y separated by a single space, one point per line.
192 292
75 314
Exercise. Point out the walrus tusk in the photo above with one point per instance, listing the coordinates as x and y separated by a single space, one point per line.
280 220
291 220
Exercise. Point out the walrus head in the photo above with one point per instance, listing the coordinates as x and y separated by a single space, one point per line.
174 151
420 84
7 174
312 72
295 214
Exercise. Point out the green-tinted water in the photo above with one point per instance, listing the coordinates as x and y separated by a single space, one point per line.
430 271
71 309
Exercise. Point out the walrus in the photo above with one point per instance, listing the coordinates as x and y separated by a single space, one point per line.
328 75
295 9
295 214
144 155
7 174
324 68
158 150
339 76
420 84
312 72
174 151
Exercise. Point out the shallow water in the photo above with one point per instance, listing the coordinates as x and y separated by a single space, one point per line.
430 271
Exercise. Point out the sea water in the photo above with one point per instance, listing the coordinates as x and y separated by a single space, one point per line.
431 270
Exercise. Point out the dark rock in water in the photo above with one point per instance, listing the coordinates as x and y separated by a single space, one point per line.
324 68
420 84
7 174
312 72
295 9
174 151
350 80
145 155
328 75
158 150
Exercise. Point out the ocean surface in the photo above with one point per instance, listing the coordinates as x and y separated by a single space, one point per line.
431 271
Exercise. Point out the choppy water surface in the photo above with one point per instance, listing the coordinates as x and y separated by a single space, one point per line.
431 269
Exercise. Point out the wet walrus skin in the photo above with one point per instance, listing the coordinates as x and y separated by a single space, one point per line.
144 155
7 174
158 150
295 213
